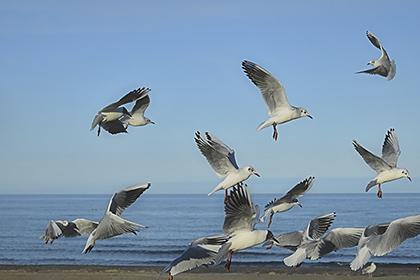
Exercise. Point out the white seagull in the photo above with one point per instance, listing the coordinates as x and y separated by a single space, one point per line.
279 109
287 201
201 251
222 159
334 240
110 116
383 66
58 228
369 270
385 166
112 224
309 239
381 239
239 226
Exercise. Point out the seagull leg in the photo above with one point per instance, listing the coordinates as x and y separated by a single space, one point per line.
170 277
99 130
229 261
271 219
275 133
379 193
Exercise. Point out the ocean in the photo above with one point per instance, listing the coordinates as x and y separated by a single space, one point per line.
175 220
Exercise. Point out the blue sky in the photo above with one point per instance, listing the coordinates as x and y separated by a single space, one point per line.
61 62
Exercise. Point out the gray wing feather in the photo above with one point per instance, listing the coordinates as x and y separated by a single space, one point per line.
338 238
114 127
295 192
123 199
84 226
379 70
318 226
373 39
128 98
375 162
271 89
239 210
112 225
391 148
290 240
142 103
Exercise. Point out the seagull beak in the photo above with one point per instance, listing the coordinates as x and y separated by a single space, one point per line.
300 205
152 122
409 178
309 116
275 240
256 174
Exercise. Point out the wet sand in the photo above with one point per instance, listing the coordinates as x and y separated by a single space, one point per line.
240 272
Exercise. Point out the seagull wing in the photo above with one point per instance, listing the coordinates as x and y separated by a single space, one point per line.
112 225
128 98
271 89
52 232
375 162
200 252
318 226
114 127
338 238
379 70
239 210
142 103
397 232
84 226
300 188
290 240
374 40
220 157
391 148
123 199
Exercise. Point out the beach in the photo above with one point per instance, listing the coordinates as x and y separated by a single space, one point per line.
242 272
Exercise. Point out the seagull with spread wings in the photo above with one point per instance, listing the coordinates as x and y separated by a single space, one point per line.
382 66
385 166
115 118
286 202
241 216
381 239
59 228
222 159
279 109
112 224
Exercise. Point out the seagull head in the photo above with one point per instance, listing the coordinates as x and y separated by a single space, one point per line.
270 237
296 202
149 121
372 62
304 113
252 171
404 173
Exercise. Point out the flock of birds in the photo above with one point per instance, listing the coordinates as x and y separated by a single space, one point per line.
241 215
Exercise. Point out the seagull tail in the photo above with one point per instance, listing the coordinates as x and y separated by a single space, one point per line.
363 256
214 190
296 258
371 185
264 124
222 253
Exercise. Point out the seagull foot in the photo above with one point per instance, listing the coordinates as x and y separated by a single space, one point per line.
170 277
379 193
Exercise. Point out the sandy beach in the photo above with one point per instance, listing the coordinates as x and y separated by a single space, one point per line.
242 272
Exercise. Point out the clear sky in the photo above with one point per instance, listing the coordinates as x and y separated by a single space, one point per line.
61 62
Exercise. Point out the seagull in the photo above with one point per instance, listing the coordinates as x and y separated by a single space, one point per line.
381 239
77 227
288 201
135 118
222 159
112 224
115 111
383 66
369 269
385 166
309 239
241 216
334 240
279 109
201 251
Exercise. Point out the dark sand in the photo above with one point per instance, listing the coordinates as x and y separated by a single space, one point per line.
240 272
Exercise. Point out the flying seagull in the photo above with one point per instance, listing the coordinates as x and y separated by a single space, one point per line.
309 239
279 109
116 110
222 159
239 226
289 200
334 240
381 239
112 224
135 118
383 66
77 227
201 251
385 166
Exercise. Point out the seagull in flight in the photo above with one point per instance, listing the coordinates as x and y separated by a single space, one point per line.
287 201
222 159
201 251
58 228
381 239
110 116
279 109
383 66
112 224
385 166
241 216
